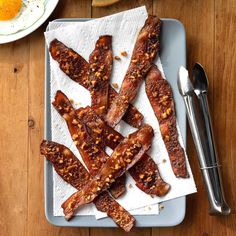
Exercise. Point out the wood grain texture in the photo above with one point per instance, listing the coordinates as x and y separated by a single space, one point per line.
14 136
211 29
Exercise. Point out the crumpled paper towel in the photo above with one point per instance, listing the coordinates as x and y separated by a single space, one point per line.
82 36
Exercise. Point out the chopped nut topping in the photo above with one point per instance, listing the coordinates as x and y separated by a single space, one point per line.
70 205
74 136
110 136
97 74
165 98
149 179
74 122
134 61
163 115
93 82
141 176
147 56
117 166
96 150
117 58
129 153
104 78
102 108
98 141
66 152
138 145
124 53
66 116
154 94
167 138
115 85
98 131
168 111
79 126
83 146
128 160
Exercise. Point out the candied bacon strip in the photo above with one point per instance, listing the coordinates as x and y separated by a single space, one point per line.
73 172
145 50
77 68
93 156
132 116
100 61
70 62
161 99
126 154
145 172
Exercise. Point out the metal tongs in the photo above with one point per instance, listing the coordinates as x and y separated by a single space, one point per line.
195 99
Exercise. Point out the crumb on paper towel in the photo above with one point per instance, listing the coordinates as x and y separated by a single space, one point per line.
115 85
161 207
124 54
117 58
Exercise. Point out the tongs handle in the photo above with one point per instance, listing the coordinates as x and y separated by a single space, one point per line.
210 167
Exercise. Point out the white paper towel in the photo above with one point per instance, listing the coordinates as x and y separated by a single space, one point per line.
82 36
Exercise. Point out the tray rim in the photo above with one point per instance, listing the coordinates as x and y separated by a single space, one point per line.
90 221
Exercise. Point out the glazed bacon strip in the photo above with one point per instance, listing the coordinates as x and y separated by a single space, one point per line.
145 172
126 154
93 156
73 172
145 50
161 99
100 61
77 68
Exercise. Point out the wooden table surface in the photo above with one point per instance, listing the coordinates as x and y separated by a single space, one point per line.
211 33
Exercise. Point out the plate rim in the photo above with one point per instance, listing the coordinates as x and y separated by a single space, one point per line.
4 39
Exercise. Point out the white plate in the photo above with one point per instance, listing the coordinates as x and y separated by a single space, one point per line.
49 8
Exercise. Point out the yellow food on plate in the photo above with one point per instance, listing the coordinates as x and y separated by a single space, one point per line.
9 8
16 15
103 3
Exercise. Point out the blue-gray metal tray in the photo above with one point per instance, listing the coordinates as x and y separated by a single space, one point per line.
173 55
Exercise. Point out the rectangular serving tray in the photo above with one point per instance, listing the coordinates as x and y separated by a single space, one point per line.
173 55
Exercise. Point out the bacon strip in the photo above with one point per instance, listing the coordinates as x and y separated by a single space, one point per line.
145 172
93 156
77 68
73 172
145 50
161 98
126 154
100 62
